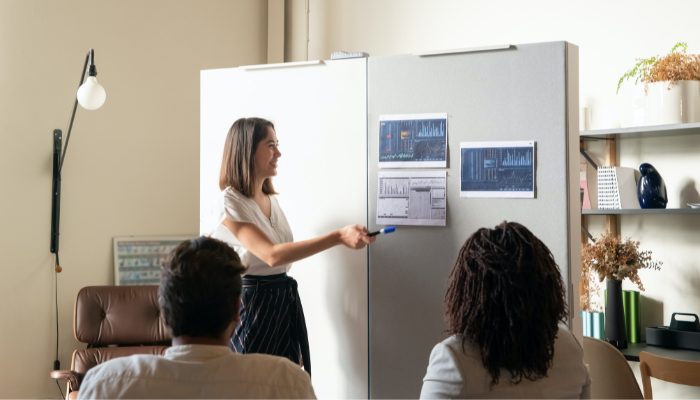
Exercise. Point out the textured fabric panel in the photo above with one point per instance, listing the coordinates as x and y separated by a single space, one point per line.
518 94
124 315
83 360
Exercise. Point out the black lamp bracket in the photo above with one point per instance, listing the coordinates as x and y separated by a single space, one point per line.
93 69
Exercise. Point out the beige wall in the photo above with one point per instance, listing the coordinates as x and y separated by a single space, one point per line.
610 36
295 14
132 167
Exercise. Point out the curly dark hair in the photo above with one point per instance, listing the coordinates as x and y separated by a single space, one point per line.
200 284
506 296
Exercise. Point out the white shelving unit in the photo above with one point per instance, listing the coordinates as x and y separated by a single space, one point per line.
611 137
643 131
648 211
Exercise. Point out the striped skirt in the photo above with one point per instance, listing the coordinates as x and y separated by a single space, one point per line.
272 319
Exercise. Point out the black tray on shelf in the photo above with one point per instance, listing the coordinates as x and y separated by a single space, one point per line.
680 334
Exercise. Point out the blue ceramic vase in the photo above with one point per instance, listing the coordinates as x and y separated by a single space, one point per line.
651 188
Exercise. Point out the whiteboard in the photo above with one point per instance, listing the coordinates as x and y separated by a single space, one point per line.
320 114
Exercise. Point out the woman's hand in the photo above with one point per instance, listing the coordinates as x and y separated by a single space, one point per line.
355 237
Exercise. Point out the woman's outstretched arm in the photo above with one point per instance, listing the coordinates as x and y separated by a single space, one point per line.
274 255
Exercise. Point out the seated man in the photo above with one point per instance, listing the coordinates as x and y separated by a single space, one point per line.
199 297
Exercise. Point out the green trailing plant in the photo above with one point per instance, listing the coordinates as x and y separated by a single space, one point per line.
640 71
672 67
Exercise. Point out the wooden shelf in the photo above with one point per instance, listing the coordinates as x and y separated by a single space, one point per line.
647 211
644 131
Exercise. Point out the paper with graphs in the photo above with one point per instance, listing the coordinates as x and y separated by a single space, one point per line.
412 198
413 141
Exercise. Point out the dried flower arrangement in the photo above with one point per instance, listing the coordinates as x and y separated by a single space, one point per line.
612 258
589 285
676 66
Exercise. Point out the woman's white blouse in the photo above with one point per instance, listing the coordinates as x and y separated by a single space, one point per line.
240 208
457 372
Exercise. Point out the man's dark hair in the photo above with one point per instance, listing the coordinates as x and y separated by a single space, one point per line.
200 283
506 296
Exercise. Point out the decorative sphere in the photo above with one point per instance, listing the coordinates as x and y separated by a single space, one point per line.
58 269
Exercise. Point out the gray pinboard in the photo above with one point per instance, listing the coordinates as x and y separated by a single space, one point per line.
526 92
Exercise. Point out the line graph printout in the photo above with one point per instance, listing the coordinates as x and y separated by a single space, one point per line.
412 198
497 169
413 141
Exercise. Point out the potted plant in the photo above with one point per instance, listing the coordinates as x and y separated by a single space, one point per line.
615 259
671 87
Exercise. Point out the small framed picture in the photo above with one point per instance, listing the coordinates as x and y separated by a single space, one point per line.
137 260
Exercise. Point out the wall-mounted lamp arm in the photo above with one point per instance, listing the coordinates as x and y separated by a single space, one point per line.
89 57
59 157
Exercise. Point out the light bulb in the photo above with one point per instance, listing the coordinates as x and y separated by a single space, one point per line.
91 95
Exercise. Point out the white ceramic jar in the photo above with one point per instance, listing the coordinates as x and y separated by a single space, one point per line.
679 105
634 105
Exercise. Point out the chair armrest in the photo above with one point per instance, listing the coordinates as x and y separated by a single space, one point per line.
74 378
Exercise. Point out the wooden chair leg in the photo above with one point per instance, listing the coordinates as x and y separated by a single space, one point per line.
646 380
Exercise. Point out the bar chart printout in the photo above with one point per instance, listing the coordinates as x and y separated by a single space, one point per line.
413 141
412 198
497 169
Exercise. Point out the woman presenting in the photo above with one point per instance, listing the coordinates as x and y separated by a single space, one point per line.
272 318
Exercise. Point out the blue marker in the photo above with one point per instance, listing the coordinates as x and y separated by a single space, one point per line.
385 230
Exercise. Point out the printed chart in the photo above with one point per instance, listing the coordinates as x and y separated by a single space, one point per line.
413 141
412 198
498 169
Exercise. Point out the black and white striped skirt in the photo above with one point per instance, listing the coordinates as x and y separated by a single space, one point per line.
272 319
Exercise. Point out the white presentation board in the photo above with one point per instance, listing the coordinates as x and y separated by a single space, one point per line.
320 114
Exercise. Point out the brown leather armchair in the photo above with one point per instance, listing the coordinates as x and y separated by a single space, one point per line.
114 321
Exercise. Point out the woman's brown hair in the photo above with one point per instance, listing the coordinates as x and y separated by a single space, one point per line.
506 297
238 164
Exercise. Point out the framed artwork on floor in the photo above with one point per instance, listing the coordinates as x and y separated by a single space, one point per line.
137 260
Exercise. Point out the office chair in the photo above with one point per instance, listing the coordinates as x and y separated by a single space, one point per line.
611 375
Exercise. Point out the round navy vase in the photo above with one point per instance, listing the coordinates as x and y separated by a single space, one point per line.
651 188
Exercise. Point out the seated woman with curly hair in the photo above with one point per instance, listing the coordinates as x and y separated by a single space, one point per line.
504 304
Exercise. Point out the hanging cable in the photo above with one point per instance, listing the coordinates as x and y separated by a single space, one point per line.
57 363
56 292
59 388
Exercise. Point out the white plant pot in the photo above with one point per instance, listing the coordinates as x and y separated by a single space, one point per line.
679 105
634 105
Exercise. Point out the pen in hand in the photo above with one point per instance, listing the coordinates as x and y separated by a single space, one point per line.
385 230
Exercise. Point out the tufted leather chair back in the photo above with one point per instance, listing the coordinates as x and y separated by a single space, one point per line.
123 315
114 321
117 321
